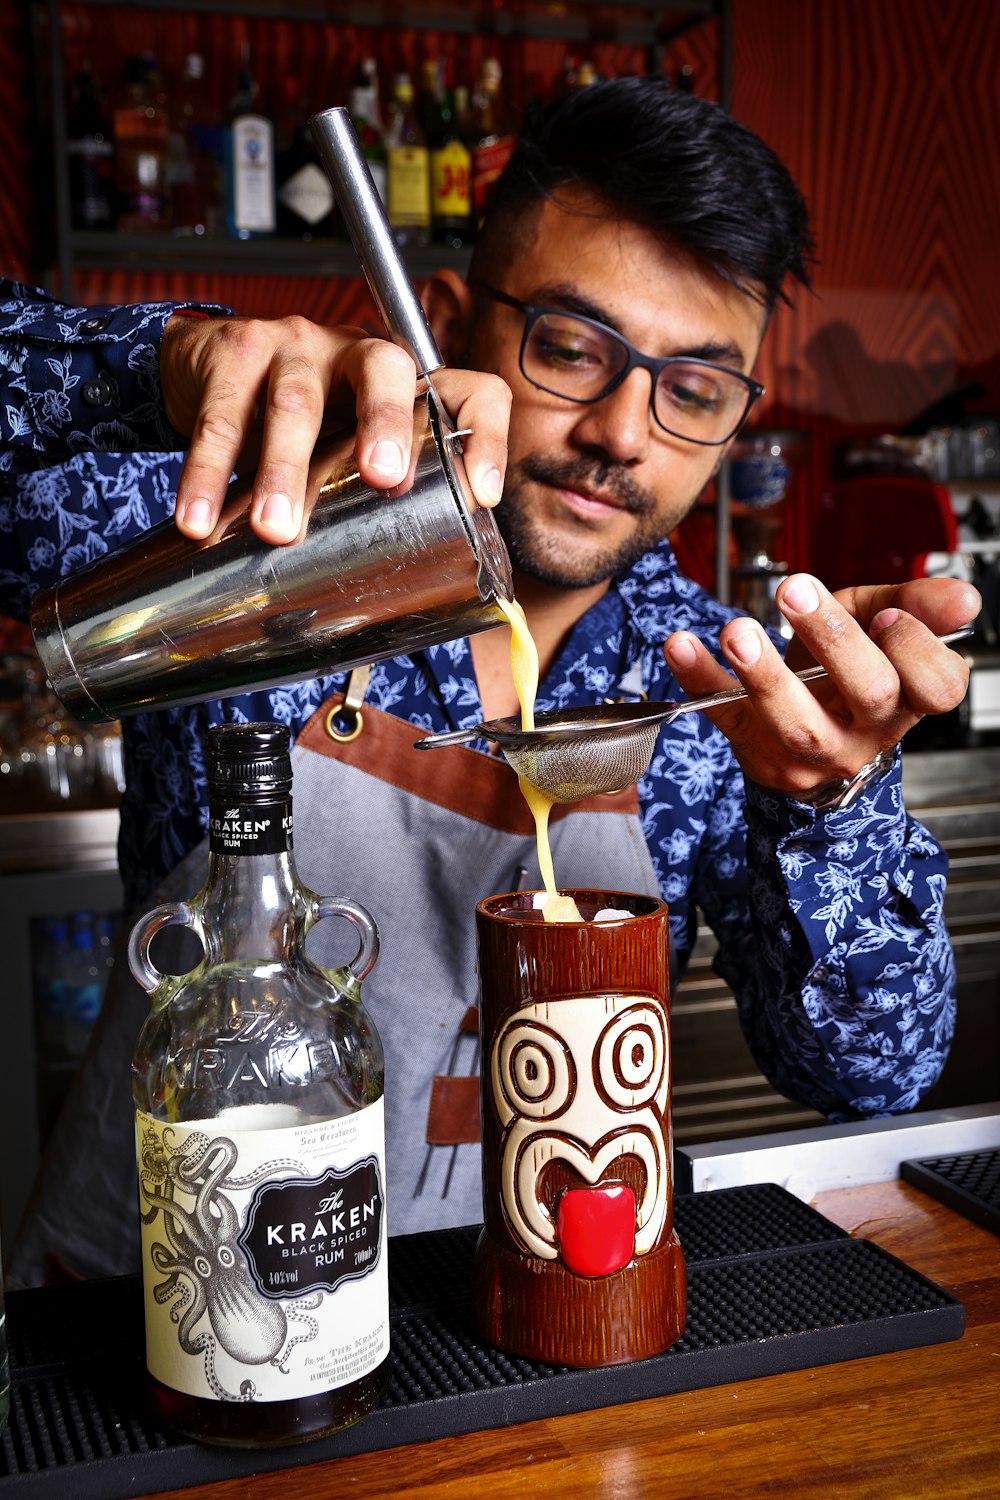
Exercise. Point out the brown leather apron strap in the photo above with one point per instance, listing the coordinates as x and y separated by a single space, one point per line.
480 787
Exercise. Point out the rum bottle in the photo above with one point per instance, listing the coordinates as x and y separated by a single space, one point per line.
257 1080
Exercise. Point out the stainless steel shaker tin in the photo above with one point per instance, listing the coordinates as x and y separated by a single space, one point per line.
165 620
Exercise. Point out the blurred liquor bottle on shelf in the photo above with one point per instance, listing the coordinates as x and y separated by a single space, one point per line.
451 202
49 981
305 196
363 107
685 79
85 978
493 135
140 130
248 153
194 163
408 170
91 152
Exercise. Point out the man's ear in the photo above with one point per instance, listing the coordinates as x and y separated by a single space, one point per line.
447 301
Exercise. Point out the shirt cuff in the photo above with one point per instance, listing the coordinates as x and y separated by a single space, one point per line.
776 814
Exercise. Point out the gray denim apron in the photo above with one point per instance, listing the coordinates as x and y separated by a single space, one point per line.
418 837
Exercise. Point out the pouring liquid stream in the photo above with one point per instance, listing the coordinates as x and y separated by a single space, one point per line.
524 669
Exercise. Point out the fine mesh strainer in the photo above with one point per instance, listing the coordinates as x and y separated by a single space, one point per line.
574 753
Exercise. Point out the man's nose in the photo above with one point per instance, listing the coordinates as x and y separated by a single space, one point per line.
620 423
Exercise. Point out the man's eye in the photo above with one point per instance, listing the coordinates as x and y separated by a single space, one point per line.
694 391
567 351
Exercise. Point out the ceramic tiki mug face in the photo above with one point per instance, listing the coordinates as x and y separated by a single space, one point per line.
578 1262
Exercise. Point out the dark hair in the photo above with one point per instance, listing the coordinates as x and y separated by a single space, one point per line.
671 161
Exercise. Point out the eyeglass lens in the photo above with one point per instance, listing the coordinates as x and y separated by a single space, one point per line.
576 359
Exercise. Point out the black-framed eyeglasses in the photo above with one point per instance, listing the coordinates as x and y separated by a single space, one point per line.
582 360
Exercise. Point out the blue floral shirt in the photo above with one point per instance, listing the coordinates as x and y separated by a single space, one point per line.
830 926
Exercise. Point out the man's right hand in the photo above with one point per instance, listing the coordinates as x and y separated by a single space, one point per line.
233 385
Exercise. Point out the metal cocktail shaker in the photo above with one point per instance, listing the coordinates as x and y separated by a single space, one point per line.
166 620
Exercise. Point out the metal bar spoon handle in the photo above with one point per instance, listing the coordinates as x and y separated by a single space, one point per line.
339 150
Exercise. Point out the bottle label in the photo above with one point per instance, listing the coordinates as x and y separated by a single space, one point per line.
308 193
450 181
253 829
253 174
263 1253
409 186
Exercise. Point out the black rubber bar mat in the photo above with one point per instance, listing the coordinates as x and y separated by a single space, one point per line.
968 1182
772 1286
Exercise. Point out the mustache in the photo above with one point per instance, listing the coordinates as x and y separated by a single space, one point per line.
607 480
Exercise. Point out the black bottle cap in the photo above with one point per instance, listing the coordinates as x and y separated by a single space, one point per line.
250 758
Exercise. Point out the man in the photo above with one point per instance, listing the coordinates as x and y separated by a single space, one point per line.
620 289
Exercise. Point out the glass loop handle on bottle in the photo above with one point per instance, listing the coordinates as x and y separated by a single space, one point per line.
162 987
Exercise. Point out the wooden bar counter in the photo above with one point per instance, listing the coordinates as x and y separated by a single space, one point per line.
921 1423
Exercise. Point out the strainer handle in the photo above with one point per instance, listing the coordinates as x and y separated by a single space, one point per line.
672 711
452 737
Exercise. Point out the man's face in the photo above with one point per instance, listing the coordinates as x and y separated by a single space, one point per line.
590 488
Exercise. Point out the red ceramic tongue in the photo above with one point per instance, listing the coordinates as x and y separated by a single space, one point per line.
596 1228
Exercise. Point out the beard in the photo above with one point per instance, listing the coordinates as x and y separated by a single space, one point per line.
548 554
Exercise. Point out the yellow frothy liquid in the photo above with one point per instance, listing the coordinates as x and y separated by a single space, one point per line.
524 668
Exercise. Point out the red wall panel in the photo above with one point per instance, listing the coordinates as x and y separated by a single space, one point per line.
887 114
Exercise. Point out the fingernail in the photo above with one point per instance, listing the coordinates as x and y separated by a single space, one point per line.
746 646
800 594
682 651
277 512
885 618
387 458
198 515
492 484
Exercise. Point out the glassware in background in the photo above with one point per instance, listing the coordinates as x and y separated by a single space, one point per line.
140 129
248 150
761 470
48 761
90 148
194 159
4 1364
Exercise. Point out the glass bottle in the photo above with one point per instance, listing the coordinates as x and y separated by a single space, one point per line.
84 985
90 148
140 142
248 140
363 106
451 203
493 138
4 1362
257 1080
305 194
409 172
195 157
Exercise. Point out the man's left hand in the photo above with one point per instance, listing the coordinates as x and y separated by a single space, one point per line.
887 669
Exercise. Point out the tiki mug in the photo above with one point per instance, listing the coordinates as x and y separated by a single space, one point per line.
578 1262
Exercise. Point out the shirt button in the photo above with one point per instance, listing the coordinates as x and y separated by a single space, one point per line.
92 325
97 392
